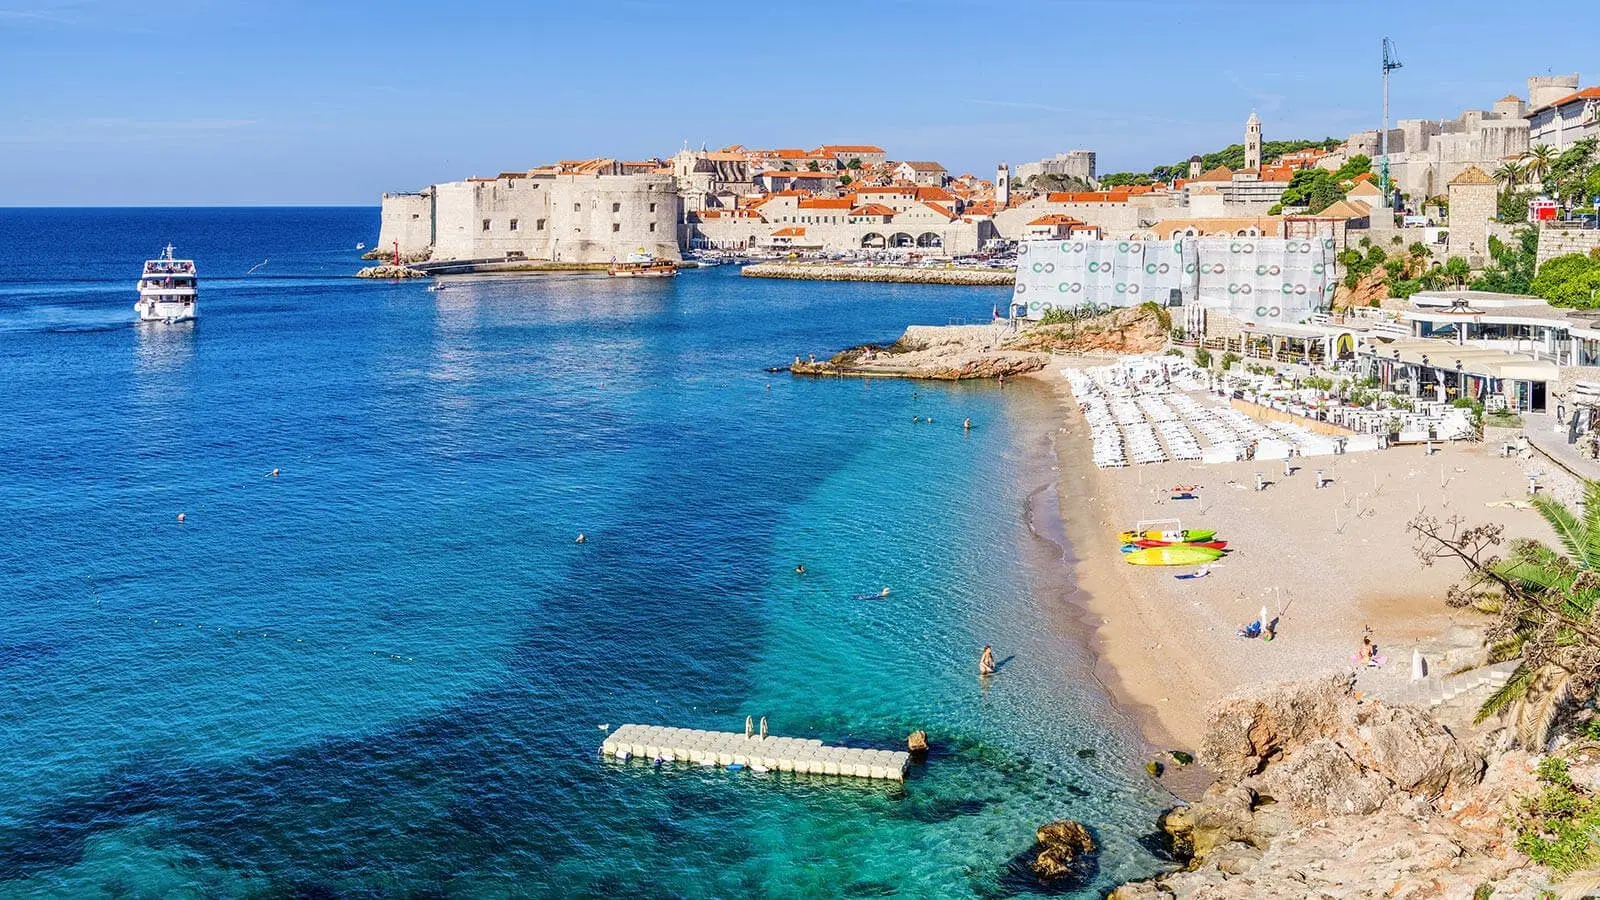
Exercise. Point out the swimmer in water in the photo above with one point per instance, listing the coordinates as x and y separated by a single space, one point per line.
884 592
800 569
273 474
581 539
986 661
180 517
966 425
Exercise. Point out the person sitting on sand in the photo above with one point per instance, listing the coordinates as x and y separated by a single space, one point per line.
1369 652
1253 630
986 661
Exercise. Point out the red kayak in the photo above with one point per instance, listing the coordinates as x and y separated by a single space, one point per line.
1210 545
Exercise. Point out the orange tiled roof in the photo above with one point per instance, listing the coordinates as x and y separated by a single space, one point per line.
848 148
926 194
1115 195
827 203
789 232
872 209
981 208
1589 93
923 166
1056 219
1220 173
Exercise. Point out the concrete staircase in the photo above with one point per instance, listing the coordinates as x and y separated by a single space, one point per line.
1453 699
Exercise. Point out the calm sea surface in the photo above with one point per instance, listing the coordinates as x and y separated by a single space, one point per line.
383 672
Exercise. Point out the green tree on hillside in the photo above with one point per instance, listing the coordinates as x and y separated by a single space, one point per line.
1572 280
1508 176
1536 162
1457 270
1511 272
1575 173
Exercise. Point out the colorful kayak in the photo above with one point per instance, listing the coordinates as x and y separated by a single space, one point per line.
1144 543
1172 556
1171 537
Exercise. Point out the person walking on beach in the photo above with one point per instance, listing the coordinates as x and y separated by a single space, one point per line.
986 661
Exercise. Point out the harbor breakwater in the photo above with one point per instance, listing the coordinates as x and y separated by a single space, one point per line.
891 274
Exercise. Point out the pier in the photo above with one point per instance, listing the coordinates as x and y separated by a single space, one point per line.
749 750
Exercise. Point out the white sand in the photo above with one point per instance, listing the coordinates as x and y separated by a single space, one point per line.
1329 562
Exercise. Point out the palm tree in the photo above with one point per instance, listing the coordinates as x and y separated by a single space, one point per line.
1509 175
1457 270
1536 162
1545 609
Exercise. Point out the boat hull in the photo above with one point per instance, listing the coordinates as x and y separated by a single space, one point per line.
1172 556
165 311
1146 544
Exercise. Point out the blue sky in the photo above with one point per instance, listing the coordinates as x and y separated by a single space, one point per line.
195 102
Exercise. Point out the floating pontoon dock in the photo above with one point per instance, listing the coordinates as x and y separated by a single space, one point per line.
776 754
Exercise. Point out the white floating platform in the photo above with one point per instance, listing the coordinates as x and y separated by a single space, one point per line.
776 754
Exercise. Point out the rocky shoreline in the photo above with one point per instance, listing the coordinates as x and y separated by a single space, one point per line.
996 350
1321 792
391 271
887 274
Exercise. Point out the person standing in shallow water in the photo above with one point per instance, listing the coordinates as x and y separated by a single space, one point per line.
986 661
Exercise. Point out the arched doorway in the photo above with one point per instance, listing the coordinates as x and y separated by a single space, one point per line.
873 241
929 240
901 239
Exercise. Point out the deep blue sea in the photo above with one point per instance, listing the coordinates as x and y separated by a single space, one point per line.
383 672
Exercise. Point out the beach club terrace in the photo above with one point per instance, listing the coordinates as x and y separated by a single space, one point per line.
1509 322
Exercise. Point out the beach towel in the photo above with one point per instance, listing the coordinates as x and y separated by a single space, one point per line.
1197 573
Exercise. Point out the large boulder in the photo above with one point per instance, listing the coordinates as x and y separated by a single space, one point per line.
1409 748
1258 723
1063 850
1320 779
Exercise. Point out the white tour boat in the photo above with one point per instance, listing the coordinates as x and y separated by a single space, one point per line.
167 290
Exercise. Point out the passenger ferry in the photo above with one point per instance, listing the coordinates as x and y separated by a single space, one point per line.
167 291
643 265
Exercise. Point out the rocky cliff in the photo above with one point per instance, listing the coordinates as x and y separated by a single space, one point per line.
1320 793
955 352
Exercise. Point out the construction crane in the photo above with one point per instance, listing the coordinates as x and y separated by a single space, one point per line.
1390 63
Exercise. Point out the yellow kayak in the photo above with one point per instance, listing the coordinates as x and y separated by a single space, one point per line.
1172 556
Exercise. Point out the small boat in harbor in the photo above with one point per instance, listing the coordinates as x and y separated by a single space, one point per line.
168 290
643 265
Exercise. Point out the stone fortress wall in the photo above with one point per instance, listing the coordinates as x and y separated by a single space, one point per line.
407 220
569 218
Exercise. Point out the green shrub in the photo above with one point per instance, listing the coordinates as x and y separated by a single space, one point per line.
1228 359
1202 357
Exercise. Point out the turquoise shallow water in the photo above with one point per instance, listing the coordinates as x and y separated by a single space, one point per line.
381 673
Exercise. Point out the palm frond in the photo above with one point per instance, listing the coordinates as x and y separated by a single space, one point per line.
1538 714
1515 688
1573 534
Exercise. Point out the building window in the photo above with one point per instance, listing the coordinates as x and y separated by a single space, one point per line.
652 226
652 207
577 207
513 224
538 225
616 227
415 216
616 207
485 224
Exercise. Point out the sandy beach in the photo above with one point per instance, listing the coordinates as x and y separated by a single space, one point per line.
1328 563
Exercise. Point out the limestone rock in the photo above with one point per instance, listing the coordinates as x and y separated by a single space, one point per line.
1250 726
1418 754
917 743
1062 851
1320 779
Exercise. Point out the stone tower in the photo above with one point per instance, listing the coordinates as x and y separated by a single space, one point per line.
1252 142
1002 186
1473 202
1194 167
